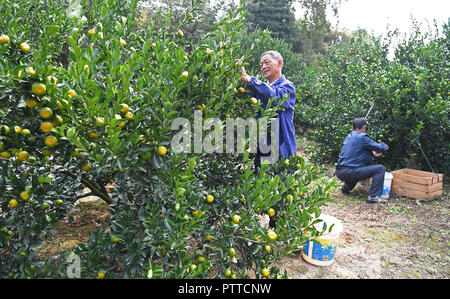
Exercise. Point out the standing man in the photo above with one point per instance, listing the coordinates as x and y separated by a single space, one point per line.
353 164
277 86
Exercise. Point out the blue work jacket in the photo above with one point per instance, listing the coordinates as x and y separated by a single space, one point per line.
278 89
357 150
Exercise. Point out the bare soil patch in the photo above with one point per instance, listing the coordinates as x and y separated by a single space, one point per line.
404 238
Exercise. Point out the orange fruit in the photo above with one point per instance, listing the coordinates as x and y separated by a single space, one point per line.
23 156
13 203
272 235
265 272
5 154
162 151
46 113
122 42
4 39
129 115
38 88
100 275
100 121
71 93
232 252
31 103
46 127
236 219
209 198
58 121
24 47
271 212
201 259
115 239
31 70
25 195
51 141
44 206
185 74
4 129
124 108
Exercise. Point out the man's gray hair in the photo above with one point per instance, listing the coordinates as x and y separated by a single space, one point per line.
274 54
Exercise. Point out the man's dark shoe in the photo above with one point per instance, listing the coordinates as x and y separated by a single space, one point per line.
344 189
375 199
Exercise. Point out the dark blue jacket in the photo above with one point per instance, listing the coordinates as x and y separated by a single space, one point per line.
278 89
357 150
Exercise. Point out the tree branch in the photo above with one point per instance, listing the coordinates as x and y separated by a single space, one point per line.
94 187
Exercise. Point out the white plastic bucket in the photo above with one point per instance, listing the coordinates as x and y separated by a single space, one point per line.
387 185
322 253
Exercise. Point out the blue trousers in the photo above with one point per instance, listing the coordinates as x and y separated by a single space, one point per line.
352 175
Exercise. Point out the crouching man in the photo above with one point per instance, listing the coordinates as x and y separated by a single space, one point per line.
353 164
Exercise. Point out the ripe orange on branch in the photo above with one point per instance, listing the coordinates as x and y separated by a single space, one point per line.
13 203
46 113
51 141
38 88
162 151
71 93
4 39
124 108
24 47
209 198
46 127
23 155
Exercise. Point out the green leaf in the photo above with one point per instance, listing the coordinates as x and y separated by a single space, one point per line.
52 29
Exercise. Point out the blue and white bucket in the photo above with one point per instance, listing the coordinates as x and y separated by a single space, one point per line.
323 253
387 185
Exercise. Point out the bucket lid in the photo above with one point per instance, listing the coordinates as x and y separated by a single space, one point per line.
337 229
388 176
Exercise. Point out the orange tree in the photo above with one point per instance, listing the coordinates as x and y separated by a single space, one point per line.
88 99
409 93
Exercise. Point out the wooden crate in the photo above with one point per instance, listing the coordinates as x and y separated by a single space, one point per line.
417 184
